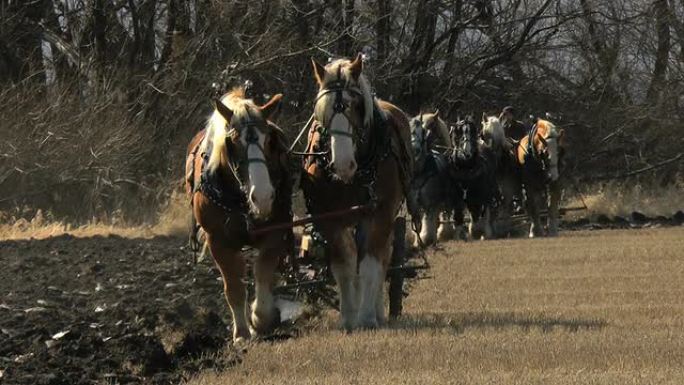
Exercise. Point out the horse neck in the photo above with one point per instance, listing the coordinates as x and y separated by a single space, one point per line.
439 128
225 171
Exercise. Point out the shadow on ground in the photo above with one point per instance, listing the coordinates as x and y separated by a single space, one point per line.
460 322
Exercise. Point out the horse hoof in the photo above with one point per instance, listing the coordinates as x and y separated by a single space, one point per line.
347 326
263 324
368 323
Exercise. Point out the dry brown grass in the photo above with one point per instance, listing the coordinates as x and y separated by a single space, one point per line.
172 219
586 308
623 198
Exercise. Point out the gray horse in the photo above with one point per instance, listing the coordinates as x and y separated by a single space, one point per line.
432 192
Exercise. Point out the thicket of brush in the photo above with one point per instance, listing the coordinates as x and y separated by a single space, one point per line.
99 98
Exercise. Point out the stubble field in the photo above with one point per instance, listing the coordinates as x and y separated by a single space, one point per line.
600 307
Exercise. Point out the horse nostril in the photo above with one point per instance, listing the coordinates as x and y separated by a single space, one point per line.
352 165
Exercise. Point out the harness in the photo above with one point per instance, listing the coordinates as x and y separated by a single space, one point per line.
535 165
529 150
375 148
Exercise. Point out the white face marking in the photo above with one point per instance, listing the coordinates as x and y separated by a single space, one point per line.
466 143
260 190
342 147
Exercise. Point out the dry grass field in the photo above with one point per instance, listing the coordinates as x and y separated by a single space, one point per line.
603 307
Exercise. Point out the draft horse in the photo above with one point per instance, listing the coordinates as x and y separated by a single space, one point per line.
507 170
539 156
432 191
237 177
473 165
359 154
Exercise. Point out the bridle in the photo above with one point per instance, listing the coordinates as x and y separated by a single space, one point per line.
250 129
422 141
339 105
469 136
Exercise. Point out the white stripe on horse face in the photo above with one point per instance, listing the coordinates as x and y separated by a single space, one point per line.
261 192
342 147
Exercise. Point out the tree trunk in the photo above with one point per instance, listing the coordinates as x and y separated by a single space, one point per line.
453 37
383 25
662 26
98 17
347 40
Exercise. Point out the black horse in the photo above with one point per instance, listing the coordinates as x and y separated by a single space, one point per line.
473 165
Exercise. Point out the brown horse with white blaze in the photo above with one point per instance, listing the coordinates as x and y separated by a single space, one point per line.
359 154
237 177
539 156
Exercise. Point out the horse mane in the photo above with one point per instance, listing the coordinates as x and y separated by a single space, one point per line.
547 129
438 126
494 129
361 83
218 128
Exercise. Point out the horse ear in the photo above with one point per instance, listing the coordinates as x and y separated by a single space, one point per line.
319 71
222 109
271 107
561 132
484 117
436 114
356 67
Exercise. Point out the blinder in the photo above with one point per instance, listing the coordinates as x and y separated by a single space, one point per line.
237 163
339 105
336 87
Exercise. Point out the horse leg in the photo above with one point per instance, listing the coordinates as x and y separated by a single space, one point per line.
508 191
372 273
380 316
446 228
532 199
264 313
555 192
343 254
428 232
475 220
231 264
458 217
487 223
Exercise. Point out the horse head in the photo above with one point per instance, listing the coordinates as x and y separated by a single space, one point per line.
493 132
419 141
247 136
344 111
464 140
546 145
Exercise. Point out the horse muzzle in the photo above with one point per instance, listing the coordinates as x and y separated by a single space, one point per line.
261 202
344 170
